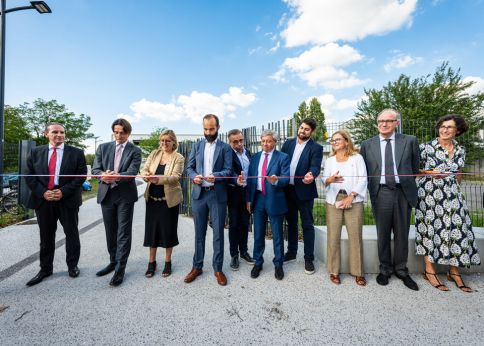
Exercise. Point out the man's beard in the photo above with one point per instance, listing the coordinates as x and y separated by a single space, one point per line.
211 138
302 137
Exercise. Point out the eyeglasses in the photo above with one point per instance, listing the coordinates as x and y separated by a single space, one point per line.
447 127
390 121
235 141
336 140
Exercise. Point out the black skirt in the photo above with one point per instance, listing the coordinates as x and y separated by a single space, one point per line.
161 224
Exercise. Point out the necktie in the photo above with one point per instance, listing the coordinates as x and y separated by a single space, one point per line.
263 173
117 157
52 162
389 166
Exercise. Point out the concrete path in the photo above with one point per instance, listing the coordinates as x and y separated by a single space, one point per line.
301 309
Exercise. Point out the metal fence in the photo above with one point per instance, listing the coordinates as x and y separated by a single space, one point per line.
10 164
472 185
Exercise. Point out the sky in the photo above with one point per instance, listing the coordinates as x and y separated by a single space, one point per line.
166 63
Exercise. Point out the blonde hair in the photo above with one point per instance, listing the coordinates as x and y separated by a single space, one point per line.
350 148
170 134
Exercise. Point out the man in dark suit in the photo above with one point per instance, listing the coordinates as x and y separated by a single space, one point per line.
265 198
209 165
56 196
117 195
306 157
236 201
389 157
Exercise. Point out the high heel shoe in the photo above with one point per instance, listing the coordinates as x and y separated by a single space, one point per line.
167 270
440 286
151 269
462 287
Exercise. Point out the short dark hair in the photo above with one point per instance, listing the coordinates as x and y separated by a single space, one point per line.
460 123
124 123
233 132
211 116
46 128
310 122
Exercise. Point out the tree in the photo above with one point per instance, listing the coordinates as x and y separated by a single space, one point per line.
152 142
421 102
90 159
42 112
312 111
15 126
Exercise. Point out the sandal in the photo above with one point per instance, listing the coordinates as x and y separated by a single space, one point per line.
151 269
167 270
462 287
335 279
360 280
440 286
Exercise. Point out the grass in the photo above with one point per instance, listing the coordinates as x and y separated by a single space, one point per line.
90 194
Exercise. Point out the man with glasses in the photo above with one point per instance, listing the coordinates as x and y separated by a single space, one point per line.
306 157
391 160
236 202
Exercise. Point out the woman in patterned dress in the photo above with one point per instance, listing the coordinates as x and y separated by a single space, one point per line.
443 226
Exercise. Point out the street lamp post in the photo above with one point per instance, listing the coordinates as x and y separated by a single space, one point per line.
39 6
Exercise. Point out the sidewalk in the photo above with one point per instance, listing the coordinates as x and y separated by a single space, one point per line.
301 309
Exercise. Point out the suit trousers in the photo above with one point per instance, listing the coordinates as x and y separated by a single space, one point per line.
47 216
392 211
238 228
201 207
353 220
305 208
118 221
260 223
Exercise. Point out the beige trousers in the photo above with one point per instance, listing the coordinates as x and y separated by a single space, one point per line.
353 220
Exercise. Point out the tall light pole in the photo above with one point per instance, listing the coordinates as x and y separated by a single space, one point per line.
39 6
96 141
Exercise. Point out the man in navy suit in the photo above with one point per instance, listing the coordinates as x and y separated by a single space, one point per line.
208 167
306 157
265 198
56 197
238 216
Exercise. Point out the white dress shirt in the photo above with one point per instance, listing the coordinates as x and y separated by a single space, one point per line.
259 170
58 162
355 177
244 161
383 145
208 157
295 159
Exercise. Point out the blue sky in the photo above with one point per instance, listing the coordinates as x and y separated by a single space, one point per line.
167 63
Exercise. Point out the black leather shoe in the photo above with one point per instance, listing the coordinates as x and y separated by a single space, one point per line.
234 262
38 278
254 273
382 279
289 257
150 272
279 273
246 257
308 267
74 272
106 270
117 279
408 281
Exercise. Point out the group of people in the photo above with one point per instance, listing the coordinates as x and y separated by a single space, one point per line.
271 185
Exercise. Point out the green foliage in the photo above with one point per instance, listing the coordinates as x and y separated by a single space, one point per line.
314 111
15 126
152 142
90 159
41 112
421 102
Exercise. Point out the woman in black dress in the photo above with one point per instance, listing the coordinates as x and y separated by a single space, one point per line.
162 171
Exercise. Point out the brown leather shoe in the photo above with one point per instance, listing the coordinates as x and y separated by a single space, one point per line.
193 275
221 279
335 278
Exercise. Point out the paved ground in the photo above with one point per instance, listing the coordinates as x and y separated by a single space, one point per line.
301 309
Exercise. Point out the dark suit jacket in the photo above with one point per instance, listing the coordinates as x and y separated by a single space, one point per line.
407 161
236 194
309 161
222 167
275 197
129 165
73 163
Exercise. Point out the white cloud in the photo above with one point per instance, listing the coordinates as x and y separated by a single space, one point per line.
192 107
400 61
477 87
322 66
275 48
337 109
320 22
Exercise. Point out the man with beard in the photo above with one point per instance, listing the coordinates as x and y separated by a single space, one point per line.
306 157
209 165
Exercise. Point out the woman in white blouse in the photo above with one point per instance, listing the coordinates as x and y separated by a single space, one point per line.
345 180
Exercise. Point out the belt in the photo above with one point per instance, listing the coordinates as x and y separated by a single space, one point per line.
208 188
158 199
343 192
397 186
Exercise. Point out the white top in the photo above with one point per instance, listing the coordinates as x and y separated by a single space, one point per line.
295 159
208 154
355 178
59 152
259 170
244 161
383 145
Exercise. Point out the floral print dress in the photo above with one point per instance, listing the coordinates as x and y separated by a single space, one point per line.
442 221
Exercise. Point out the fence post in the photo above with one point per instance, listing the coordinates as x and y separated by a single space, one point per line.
25 146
